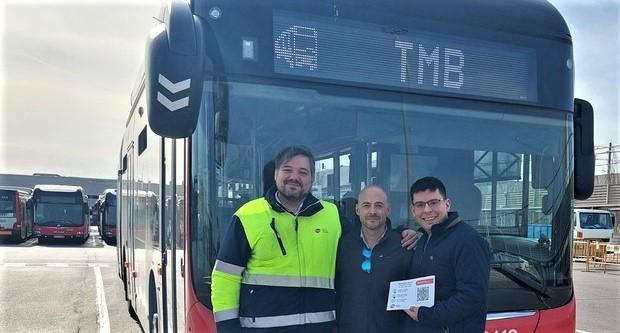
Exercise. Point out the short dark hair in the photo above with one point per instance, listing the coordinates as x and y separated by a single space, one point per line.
291 151
427 183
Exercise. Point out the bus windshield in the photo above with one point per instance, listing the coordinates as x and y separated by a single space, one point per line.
110 215
7 204
504 167
64 215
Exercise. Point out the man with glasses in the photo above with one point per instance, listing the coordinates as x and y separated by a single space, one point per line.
369 257
456 255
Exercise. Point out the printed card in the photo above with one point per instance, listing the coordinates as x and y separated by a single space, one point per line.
414 292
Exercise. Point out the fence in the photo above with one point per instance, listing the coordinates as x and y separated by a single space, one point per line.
596 254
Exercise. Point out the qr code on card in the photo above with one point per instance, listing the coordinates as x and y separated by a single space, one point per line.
423 294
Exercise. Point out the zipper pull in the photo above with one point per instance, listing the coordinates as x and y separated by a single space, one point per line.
273 227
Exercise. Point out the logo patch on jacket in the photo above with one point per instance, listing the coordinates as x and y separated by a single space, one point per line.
320 230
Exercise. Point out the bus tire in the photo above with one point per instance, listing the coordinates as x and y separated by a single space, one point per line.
17 237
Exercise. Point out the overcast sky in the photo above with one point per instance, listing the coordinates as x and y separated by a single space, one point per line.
67 69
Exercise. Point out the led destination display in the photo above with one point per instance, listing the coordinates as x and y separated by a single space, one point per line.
364 53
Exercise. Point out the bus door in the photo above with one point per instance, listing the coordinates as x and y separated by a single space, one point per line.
131 215
174 229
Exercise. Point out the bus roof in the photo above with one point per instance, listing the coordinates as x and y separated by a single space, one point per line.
25 190
526 17
109 190
58 188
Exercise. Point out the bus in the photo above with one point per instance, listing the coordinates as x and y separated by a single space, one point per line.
107 215
60 212
594 224
15 213
476 93
94 213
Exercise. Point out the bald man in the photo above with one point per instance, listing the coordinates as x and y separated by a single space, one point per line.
369 257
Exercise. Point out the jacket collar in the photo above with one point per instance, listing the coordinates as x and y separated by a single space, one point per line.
310 206
448 223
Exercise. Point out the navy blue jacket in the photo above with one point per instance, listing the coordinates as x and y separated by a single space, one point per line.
361 298
460 260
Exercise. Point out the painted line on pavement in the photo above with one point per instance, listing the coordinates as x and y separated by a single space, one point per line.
102 307
57 264
15 264
51 264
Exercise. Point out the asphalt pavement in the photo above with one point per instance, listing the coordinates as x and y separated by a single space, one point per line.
598 298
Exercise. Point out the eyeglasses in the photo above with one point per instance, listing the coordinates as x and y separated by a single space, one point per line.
366 264
433 204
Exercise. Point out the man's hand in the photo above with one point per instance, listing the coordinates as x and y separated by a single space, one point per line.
410 239
412 312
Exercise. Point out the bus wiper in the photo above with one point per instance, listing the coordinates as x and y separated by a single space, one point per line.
521 277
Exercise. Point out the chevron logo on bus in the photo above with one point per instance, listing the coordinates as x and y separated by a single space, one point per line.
173 88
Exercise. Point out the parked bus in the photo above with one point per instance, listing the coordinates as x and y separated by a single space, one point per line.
60 212
476 93
15 213
593 224
107 215
94 214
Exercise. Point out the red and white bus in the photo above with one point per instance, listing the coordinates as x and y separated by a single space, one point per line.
60 212
94 213
107 215
476 93
15 213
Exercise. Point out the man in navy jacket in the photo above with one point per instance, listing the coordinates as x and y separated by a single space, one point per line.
458 257
370 256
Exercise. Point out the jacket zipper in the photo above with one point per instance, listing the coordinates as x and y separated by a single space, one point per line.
273 227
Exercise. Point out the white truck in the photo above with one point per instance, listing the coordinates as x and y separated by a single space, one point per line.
593 224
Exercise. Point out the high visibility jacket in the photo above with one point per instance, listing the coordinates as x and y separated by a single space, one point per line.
276 269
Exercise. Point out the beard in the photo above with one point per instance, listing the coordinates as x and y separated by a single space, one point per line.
296 195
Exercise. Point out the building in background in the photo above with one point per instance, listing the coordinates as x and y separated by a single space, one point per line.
93 187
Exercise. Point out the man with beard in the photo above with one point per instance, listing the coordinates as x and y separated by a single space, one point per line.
276 265
369 258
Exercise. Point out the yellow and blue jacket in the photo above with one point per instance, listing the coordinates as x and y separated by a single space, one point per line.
276 269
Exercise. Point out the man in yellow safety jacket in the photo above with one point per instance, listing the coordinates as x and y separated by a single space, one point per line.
276 266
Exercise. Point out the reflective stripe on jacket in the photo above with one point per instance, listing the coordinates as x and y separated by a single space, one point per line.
276 269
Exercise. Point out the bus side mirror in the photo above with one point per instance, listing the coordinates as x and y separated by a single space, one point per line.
583 126
173 72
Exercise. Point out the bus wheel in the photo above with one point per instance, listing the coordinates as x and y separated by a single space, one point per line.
17 237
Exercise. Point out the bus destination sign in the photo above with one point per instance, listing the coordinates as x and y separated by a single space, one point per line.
371 54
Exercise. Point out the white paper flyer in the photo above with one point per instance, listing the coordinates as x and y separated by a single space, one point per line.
414 292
